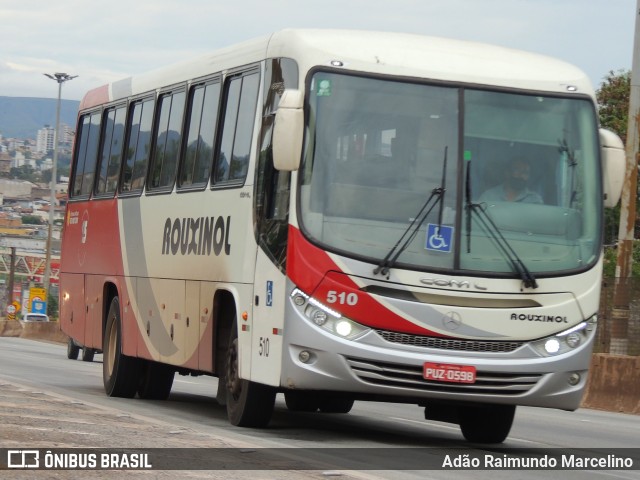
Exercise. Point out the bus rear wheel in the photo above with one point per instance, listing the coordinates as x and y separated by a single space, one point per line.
120 373
72 349
486 423
156 380
88 354
249 404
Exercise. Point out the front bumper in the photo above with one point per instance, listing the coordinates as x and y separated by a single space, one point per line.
391 369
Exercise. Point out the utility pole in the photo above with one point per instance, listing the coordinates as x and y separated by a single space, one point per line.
60 78
620 314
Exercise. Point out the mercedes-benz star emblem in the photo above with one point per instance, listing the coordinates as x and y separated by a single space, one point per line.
452 321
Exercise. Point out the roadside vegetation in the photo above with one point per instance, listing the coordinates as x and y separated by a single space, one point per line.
613 110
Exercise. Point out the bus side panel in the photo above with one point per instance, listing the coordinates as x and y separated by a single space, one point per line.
206 345
94 301
91 242
132 330
72 309
191 324
161 303
268 323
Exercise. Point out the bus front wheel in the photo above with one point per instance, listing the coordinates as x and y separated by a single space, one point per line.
249 404
120 373
302 401
486 423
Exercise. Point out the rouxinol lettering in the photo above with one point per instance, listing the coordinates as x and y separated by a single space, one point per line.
196 236
539 318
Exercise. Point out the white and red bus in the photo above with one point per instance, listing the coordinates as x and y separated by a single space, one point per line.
306 214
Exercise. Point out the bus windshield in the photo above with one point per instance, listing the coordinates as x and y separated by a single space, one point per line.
511 169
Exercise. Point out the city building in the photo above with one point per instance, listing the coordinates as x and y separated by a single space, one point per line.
46 137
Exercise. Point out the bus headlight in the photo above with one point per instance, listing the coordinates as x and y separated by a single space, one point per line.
326 318
565 341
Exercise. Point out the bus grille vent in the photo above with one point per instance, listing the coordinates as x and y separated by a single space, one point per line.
495 346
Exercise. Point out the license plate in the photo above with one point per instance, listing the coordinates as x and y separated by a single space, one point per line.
444 372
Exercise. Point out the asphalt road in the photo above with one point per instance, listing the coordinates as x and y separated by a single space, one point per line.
192 417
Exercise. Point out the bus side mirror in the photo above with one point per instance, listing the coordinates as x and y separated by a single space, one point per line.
288 131
613 166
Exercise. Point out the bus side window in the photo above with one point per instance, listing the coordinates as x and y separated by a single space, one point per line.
111 151
235 146
162 171
200 132
87 155
138 144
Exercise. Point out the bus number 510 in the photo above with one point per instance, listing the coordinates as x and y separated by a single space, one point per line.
342 298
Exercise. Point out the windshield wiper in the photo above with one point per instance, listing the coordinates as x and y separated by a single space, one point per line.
467 193
503 245
572 163
411 231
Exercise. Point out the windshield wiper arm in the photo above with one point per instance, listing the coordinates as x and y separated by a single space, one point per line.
504 246
438 193
467 192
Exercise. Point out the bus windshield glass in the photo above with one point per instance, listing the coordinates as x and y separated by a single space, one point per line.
510 176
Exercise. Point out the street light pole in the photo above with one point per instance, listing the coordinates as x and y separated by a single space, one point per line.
60 78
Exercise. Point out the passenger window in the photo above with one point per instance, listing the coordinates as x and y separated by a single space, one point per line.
111 153
138 145
239 119
87 155
201 132
168 140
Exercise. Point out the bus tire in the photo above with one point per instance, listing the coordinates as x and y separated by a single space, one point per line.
156 380
302 401
120 373
72 349
486 424
336 404
88 354
249 404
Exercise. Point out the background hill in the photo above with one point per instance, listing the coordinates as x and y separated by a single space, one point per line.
22 117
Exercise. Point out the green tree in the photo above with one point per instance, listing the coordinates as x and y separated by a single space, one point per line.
613 110
613 102
52 307
31 220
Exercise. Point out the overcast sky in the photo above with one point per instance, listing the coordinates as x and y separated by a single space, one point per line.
108 40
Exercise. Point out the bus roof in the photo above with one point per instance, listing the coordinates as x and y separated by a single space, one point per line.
400 54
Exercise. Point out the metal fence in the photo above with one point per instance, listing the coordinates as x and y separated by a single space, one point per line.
619 317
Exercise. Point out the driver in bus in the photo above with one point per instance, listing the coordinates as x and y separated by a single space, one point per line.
514 187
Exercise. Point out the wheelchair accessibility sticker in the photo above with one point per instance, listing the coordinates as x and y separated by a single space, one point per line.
439 238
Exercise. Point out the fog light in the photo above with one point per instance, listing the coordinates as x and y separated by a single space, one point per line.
552 345
573 340
343 328
319 317
304 356
574 379
299 300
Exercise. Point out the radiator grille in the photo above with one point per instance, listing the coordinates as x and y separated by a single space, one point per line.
448 343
